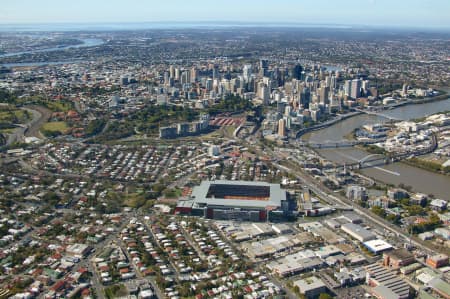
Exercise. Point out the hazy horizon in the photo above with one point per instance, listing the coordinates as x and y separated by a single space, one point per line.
117 26
371 13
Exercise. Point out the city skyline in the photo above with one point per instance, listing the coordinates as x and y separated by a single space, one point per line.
350 12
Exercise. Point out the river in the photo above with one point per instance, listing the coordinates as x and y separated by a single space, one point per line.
87 42
421 180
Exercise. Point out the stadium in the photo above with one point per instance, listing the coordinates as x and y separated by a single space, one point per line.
237 200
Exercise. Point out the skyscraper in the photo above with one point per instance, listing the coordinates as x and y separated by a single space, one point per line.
263 67
194 74
323 95
297 72
281 128
356 88
265 94
348 87
247 72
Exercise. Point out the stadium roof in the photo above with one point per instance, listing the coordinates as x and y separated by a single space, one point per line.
239 194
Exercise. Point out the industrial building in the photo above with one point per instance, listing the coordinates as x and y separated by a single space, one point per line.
386 284
240 200
398 258
437 261
358 232
377 246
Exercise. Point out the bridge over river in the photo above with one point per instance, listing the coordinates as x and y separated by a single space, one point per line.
373 160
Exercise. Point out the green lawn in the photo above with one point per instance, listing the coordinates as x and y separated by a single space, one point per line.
56 126
10 116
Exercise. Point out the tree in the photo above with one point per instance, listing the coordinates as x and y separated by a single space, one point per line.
415 210
325 296
378 211
393 218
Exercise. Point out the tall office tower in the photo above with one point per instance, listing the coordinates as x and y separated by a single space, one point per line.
194 74
247 72
177 74
327 81
209 84
172 71
281 128
333 82
265 95
281 107
185 77
234 84
305 98
356 88
323 95
263 67
166 78
215 72
297 72
348 87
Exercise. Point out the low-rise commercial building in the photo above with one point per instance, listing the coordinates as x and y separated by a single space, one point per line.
358 232
311 287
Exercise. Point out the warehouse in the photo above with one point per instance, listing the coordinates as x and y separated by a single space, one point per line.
238 200
358 232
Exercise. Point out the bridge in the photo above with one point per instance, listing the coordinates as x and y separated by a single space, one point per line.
372 160
376 113
338 144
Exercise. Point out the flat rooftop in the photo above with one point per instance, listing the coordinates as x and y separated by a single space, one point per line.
240 192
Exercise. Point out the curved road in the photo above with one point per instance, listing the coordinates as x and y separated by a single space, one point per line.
31 129
34 126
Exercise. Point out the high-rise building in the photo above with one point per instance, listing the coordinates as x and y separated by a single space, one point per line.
281 128
333 82
247 72
172 71
209 84
323 95
265 94
348 87
263 67
215 72
356 88
305 97
297 72
185 77
194 74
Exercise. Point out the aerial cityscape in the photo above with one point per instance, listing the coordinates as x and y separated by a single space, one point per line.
229 150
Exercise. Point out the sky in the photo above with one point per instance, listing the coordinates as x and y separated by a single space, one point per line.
398 13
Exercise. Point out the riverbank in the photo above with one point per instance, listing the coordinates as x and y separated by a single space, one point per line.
317 127
428 165
422 180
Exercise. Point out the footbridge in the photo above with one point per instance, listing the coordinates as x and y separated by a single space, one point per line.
376 113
